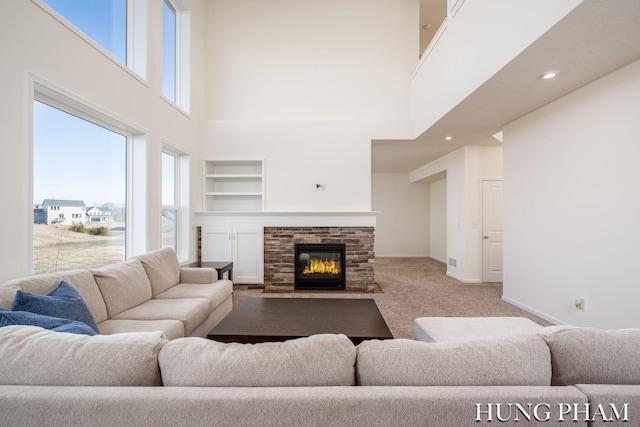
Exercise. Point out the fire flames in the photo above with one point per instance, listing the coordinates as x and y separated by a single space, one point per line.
321 266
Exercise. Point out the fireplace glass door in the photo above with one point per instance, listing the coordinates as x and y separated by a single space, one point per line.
319 266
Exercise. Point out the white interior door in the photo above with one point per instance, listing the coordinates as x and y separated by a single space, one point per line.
492 231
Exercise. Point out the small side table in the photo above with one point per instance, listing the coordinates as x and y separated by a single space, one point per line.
221 266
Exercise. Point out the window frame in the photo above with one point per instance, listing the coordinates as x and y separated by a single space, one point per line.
175 207
175 53
136 141
182 55
181 200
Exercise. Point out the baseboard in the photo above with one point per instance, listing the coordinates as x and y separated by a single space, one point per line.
462 279
534 311
401 256
411 256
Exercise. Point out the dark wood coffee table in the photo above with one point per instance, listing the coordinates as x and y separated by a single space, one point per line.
257 320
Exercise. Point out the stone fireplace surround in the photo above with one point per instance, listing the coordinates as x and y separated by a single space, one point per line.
279 254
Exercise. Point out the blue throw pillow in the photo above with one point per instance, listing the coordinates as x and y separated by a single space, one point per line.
63 301
10 318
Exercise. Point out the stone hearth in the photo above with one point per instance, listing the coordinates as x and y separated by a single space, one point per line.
279 255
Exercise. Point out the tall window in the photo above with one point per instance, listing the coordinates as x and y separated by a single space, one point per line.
169 201
104 21
169 52
79 192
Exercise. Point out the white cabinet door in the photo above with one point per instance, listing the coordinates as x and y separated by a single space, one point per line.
217 244
242 246
248 264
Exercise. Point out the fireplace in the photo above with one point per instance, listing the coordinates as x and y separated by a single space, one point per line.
320 266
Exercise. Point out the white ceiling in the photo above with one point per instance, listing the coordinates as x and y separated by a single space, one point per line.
595 39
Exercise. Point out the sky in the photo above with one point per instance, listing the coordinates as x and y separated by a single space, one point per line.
76 160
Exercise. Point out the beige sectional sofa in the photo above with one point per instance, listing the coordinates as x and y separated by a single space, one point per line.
142 379
150 292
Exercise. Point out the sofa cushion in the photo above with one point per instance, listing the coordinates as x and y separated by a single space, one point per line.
612 397
171 328
123 285
59 324
200 275
318 360
82 280
34 356
190 311
496 361
62 301
162 268
595 356
216 293
7 295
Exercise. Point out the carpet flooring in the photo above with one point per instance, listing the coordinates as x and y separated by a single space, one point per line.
417 287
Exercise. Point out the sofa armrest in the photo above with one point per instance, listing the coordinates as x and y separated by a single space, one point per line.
198 275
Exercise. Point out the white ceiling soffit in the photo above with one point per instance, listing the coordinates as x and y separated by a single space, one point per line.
595 39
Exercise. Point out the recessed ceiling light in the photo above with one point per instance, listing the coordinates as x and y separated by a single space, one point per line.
549 75
448 138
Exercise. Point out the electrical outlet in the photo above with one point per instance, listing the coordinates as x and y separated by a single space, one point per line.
453 262
580 303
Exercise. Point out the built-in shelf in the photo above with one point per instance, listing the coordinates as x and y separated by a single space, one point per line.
233 185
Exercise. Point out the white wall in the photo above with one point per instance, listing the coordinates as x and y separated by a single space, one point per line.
402 226
465 168
438 220
306 86
465 56
298 155
572 203
310 60
38 47
480 163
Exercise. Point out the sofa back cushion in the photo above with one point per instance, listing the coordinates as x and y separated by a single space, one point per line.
595 356
81 280
123 285
162 268
318 360
499 361
34 356
7 295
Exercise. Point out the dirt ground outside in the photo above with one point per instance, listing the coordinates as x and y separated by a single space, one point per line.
56 248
